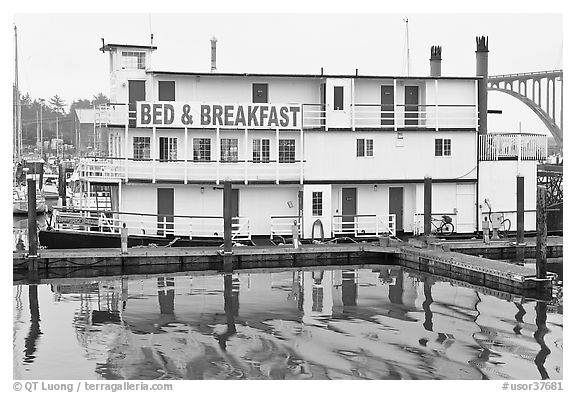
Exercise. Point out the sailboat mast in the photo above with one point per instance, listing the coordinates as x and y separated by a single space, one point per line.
17 114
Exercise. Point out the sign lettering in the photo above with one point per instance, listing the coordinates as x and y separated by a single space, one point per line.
201 115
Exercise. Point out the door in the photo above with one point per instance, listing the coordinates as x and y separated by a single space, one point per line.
165 209
136 92
323 105
396 205
465 208
235 209
338 100
349 207
387 105
411 94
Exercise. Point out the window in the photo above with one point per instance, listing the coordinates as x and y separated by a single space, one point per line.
364 147
287 150
201 148
166 91
168 149
133 60
229 150
338 98
260 93
442 147
261 150
317 203
141 147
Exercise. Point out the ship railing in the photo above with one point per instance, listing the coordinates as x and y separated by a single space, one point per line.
94 221
502 146
116 168
415 116
314 116
282 225
364 225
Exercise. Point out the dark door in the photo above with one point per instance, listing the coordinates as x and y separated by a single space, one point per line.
235 210
411 101
387 108
323 105
136 92
348 207
396 205
165 209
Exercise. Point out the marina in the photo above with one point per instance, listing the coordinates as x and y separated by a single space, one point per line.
225 224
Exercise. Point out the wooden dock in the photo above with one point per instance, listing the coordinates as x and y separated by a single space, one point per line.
430 258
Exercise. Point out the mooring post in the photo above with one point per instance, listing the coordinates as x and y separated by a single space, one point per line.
124 239
295 240
520 244
32 230
227 217
427 205
541 233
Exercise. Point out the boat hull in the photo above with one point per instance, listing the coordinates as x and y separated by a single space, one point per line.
55 239
21 207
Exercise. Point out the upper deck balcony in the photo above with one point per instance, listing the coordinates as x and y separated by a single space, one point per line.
359 116
502 146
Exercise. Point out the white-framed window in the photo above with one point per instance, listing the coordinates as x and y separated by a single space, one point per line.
261 150
287 150
364 147
133 60
141 147
442 147
317 203
168 149
201 149
228 150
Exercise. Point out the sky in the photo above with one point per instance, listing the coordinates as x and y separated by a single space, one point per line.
58 53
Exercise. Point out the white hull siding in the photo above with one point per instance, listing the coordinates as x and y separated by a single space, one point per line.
497 181
333 156
259 203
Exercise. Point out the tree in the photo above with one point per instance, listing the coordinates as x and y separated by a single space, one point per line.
58 104
100 99
80 103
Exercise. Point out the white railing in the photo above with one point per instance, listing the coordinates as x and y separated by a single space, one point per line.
282 225
364 225
427 116
98 221
96 168
513 146
313 116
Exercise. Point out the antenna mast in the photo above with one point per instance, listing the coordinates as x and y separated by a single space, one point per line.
407 48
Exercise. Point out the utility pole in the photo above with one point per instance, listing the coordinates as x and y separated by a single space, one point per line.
41 130
57 141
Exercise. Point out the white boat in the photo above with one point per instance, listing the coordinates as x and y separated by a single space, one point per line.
50 186
20 201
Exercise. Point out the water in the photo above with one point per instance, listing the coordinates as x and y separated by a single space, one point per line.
363 322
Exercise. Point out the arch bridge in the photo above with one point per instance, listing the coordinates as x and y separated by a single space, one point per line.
541 91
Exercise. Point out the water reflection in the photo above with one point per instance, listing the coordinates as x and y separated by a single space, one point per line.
351 323
34 333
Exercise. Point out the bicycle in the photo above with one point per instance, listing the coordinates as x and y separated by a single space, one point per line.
446 227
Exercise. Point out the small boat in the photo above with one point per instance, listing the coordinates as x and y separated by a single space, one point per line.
20 201
50 186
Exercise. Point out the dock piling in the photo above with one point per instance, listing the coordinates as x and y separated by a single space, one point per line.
427 205
541 235
520 243
62 184
124 239
227 201
32 229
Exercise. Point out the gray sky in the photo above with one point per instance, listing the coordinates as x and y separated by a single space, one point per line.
72 67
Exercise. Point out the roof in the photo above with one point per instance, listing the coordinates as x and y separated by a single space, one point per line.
108 47
85 115
312 76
